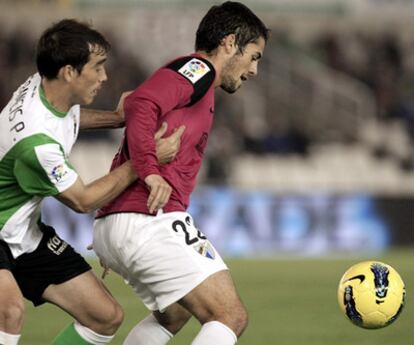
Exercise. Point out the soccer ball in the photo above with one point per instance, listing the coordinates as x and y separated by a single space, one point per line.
371 294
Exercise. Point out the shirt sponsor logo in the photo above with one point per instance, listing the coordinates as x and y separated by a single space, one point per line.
194 70
56 245
59 171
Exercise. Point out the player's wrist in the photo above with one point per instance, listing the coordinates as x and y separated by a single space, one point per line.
144 173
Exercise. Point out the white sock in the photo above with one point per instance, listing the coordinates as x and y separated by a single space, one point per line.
91 336
9 339
215 332
148 332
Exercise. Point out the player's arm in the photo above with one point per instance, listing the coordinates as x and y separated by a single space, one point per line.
100 119
41 169
144 108
96 119
166 150
140 131
87 198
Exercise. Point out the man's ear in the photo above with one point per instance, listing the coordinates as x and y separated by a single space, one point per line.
68 73
229 44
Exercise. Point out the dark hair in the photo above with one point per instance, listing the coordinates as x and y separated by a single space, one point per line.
229 18
67 42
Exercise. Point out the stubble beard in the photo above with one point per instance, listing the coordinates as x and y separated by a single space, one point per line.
229 83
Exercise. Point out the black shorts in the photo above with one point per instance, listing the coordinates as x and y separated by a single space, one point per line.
53 262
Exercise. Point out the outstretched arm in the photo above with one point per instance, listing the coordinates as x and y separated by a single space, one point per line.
99 119
87 198
42 170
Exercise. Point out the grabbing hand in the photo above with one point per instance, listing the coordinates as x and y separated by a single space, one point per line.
160 192
120 107
167 148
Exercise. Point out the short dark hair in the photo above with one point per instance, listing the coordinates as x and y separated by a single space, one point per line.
229 18
67 42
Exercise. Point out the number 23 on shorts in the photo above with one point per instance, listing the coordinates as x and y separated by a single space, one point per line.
193 237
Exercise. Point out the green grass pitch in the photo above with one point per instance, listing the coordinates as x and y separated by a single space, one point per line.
290 302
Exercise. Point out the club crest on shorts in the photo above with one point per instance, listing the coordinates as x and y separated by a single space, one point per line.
206 249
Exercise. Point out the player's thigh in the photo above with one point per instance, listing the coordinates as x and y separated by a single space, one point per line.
86 299
216 298
10 289
173 318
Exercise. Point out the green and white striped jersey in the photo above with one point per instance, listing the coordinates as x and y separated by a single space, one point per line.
35 141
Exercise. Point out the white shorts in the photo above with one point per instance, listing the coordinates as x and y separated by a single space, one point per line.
163 257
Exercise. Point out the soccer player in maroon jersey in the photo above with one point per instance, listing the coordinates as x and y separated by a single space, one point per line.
145 234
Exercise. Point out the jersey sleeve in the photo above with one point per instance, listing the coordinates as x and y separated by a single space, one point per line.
144 109
172 87
43 170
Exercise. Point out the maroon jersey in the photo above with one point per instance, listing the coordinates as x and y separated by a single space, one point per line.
181 93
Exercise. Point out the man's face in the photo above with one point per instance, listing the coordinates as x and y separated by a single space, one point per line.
87 83
242 66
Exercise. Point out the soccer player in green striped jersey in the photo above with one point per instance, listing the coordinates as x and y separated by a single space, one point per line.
38 128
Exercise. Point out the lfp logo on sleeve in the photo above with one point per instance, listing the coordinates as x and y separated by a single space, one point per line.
194 70
58 172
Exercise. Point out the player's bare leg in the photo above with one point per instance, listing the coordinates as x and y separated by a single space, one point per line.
158 328
85 297
217 305
173 318
11 309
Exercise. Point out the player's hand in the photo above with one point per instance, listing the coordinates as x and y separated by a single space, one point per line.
120 108
160 192
167 148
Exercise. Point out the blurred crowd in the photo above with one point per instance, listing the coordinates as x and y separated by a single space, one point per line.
384 63
378 60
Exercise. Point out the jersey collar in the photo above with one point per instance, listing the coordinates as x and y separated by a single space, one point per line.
49 106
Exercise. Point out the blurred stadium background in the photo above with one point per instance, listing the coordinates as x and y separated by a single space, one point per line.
309 169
